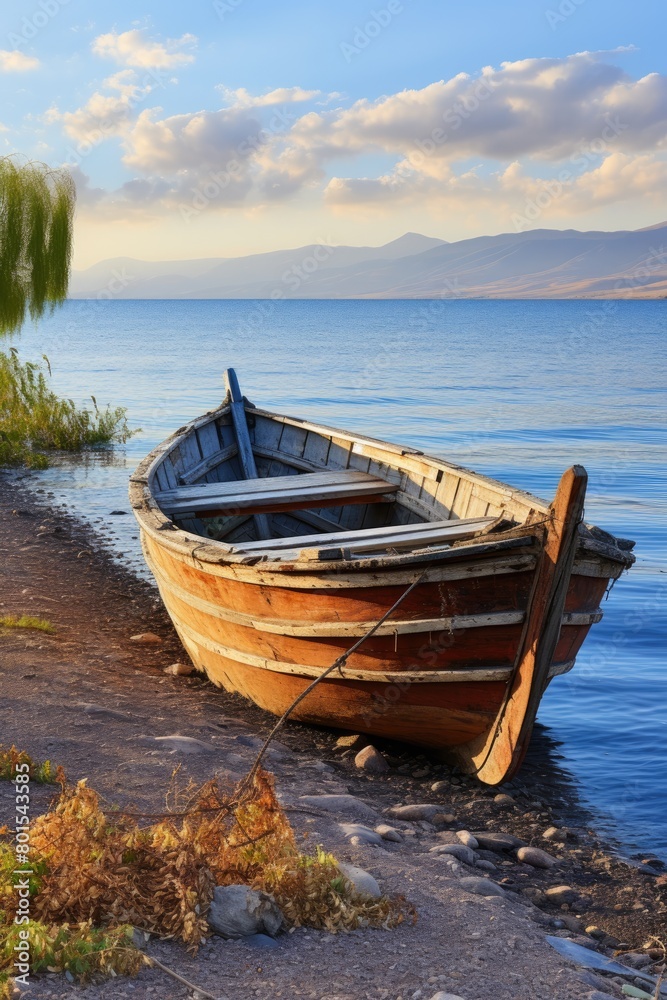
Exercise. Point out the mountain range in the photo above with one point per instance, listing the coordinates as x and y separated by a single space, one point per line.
540 263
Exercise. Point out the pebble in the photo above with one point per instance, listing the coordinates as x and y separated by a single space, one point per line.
636 959
555 835
536 858
481 886
360 834
467 839
560 894
487 866
179 669
370 759
498 841
146 639
503 799
238 911
100 712
355 741
363 881
184 744
389 833
421 772
415 812
440 786
595 931
445 996
458 851
339 803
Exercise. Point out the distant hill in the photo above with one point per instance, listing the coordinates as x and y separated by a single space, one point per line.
542 263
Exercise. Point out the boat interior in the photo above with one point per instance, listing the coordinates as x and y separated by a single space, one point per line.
264 482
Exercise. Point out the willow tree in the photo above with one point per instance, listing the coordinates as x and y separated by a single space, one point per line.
36 223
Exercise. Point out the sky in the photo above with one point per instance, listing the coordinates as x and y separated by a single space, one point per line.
228 127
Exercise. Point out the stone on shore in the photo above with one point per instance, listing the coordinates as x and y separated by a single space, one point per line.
467 839
445 996
237 911
389 833
440 786
355 741
363 881
481 886
371 760
101 713
414 813
179 669
504 800
535 857
356 833
184 744
458 851
555 835
497 841
146 639
339 803
560 894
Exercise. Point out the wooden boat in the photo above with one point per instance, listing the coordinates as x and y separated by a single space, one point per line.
278 543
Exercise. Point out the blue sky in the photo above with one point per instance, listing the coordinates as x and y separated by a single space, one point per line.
221 127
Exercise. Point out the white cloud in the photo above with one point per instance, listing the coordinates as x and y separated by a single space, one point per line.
15 61
133 48
241 98
104 115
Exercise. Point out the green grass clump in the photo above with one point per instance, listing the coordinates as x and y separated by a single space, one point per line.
26 621
34 420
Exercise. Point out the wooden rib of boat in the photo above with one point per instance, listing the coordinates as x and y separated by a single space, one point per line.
277 542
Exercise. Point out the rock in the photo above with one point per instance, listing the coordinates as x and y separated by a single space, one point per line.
415 812
560 894
498 841
504 800
487 866
440 786
389 833
535 857
339 804
180 669
458 851
555 835
117 513
421 772
363 882
370 759
467 839
101 713
635 959
441 819
356 741
447 837
184 744
481 886
260 941
360 834
146 639
596 932
237 911
445 996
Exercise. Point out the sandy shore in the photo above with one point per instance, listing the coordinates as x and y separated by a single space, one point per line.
90 699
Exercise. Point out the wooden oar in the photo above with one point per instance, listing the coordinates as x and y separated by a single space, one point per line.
244 444
495 756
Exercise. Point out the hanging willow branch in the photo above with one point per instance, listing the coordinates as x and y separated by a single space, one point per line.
36 222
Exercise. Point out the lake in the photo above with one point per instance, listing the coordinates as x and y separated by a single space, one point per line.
518 390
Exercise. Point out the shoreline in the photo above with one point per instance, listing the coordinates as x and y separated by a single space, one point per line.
55 569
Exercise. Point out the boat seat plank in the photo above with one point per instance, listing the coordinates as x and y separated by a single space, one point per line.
316 489
394 536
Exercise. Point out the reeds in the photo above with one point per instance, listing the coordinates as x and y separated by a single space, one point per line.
34 420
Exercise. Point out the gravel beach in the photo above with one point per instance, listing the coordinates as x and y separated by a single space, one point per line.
491 872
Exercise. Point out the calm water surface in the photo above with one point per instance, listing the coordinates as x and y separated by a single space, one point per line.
518 390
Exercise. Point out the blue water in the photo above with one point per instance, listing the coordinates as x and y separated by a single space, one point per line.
518 390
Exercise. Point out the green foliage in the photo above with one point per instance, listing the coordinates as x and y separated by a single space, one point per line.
36 221
42 772
81 949
33 419
26 621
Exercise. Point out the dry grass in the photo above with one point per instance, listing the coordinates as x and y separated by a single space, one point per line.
43 772
99 872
